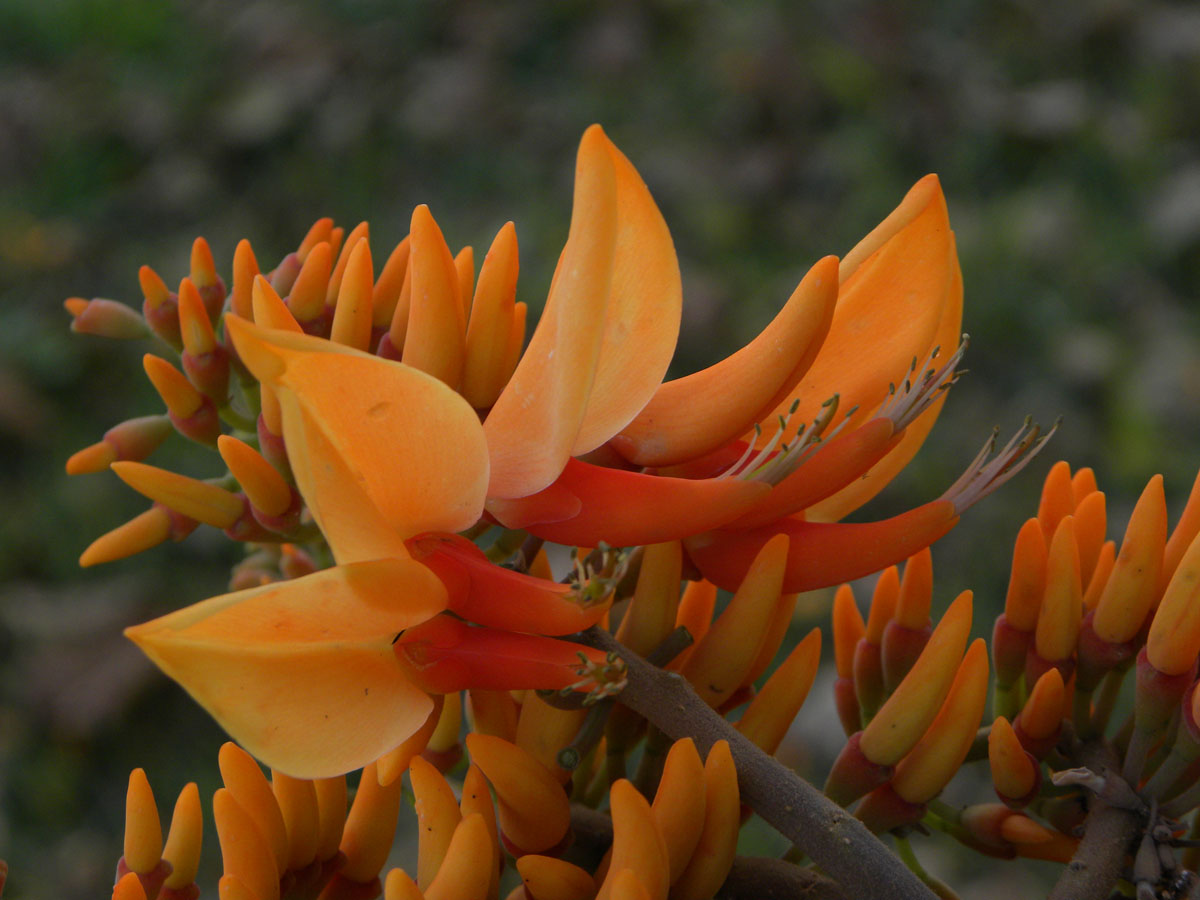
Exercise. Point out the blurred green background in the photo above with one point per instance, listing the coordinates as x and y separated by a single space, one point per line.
770 133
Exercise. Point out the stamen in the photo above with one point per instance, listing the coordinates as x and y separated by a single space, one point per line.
904 406
984 475
599 680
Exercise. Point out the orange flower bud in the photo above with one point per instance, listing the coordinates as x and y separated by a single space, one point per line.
297 799
1132 587
189 496
549 878
105 318
435 340
370 827
1174 638
908 712
1027 583
204 275
360 232
245 852
1014 771
770 713
182 849
386 292
250 788
438 814
143 833
534 811
930 765
306 299
650 615
1062 604
353 314
1041 718
1091 525
265 488
1058 498
488 330
1083 482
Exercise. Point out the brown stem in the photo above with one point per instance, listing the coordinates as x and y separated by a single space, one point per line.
1110 834
835 840
751 878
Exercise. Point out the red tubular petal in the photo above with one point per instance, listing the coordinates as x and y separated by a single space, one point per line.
487 594
823 554
626 509
444 655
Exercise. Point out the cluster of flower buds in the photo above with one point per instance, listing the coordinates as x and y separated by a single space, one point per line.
291 838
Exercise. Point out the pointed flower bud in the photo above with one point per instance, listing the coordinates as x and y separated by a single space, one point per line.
193 415
1041 719
370 827
133 439
361 232
771 712
105 318
650 615
1132 586
911 708
244 851
331 814
386 292
160 308
930 765
195 499
533 808
251 789
245 270
306 299
906 634
182 849
1174 638
271 498
205 361
352 315
1015 772
1058 498
435 340
204 276
143 833
297 799
848 629
129 887
149 529
1062 607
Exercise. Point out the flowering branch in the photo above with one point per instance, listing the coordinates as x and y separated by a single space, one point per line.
833 838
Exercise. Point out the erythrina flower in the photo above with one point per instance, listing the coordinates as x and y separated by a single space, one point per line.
391 458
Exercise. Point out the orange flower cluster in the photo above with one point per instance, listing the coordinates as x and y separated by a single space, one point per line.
397 461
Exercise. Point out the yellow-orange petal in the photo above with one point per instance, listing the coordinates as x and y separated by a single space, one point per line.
770 713
146 530
650 615
534 424
359 429
852 496
883 604
265 488
316 652
435 339
916 591
914 202
698 413
321 231
887 313
1091 525
641 319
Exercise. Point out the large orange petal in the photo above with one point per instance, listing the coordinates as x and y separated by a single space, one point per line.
533 426
910 207
301 673
851 497
378 448
887 312
698 413
641 321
